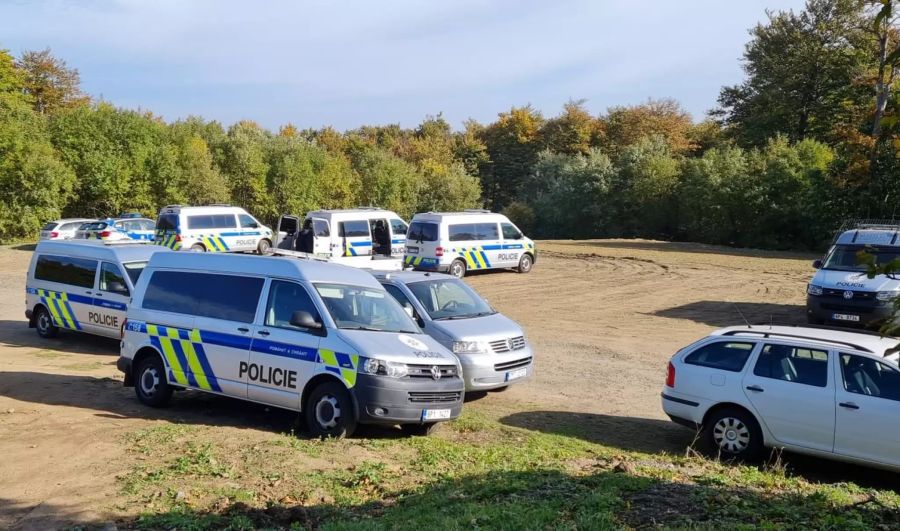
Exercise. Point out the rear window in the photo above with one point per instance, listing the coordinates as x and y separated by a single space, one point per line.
211 221
66 270
70 226
135 224
725 355
49 226
228 297
354 229
473 231
422 232
97 225
398 227
167 222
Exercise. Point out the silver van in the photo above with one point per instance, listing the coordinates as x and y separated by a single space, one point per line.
491 347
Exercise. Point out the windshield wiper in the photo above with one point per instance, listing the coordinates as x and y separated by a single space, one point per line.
367 328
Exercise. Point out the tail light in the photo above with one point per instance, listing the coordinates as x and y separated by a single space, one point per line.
178 237
122 329
670 376
439 251
105 234
54 234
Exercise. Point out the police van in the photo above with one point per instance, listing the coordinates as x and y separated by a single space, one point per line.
315 337
457 242
840 292
215 228
365 231
83 285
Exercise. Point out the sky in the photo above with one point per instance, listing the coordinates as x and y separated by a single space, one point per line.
344 64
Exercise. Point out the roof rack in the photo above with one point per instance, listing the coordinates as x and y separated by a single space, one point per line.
867 224
173 206
370 207
220 204
478 210
767 334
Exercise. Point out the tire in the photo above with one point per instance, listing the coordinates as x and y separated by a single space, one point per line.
150 383
43 323
263 246
420 430
525 263
198 248
457 268
733 433
329 411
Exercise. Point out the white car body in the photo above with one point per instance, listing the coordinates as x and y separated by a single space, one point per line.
215 228
62 229
827 393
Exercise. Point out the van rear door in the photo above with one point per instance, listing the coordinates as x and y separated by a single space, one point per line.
168 230
421 244
356 239
287 232
322 240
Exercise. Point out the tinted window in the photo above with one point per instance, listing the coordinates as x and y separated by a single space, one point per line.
866 376
73 271
398 295
353 229
70 226
167 222
134 270
248 222
462 232
510 232
285 298
728 356
49 226
793 364
320 228
94 225
229 297
211 221
398 227
422 232
111 279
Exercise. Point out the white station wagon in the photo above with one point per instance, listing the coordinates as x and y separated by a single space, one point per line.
828 393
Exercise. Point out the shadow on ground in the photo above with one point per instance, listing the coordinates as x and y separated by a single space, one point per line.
721 313
17 334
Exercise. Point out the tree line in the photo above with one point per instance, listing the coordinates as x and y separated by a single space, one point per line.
810 137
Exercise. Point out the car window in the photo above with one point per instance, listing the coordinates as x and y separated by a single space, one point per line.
112 280
285 298
320 228
398 294
71 226
134 270
870 377
49 226
725 355
247 222
201 294
364 308
463 232
510 232
793 364
487 231
446 299
66 270
167 222
422 232
211 221
398 227
353 229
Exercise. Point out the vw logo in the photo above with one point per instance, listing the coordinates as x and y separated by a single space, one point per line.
435 372
848 294
509 343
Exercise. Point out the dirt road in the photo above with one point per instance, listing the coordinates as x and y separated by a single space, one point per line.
604 317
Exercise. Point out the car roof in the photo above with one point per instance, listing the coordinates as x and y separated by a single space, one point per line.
72 220
409 277
277 266
185 209
121 252
134 219
886 237
439 216
874 343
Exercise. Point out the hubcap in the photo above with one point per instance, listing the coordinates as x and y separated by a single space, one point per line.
328 412
731 435
43 322
149 381
526 264
457 269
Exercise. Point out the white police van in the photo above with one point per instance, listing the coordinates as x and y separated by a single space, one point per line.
364 231
214 228
457 242
840 292
83 285
304 335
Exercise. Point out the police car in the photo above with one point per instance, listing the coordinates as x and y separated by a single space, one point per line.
304 335
457 242
114 229
62 229
214 228
491 347
83 286
364 231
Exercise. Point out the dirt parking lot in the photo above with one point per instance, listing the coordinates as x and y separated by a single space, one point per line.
604 317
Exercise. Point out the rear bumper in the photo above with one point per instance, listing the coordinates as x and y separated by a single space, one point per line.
382 400
870 312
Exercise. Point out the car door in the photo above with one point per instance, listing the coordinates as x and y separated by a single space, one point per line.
398 237
287 232
355 237
491 247
111 300
866 420
512 245
283 356
322 239
66 287
228 237
791 388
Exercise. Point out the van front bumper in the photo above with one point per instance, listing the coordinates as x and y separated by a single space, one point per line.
824 308
483 372
384 400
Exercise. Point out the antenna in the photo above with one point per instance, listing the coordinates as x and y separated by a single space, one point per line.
742 315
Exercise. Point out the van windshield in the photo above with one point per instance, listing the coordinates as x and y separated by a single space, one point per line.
448 299
134 270
361 308
843 257
422 232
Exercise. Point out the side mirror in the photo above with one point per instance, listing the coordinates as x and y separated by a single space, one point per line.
303 319
117 287
817 264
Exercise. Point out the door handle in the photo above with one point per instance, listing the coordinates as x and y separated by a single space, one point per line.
849 405
244 330
98 294
263 332
755 388
87 292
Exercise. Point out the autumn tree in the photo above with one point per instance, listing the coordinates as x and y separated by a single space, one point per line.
513 144
51 84
574 131
626 126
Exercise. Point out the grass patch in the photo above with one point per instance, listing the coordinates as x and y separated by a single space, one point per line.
86 366
47 354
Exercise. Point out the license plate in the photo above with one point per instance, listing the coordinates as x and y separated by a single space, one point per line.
845 317
516 374
45 234
412 250
435 414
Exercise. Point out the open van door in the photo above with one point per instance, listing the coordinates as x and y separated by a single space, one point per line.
288 230
322 241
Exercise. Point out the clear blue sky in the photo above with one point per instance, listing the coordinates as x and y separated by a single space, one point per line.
345 64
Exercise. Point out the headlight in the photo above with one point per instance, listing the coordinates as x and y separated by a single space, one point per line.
391 369
887 295
812 289
469 347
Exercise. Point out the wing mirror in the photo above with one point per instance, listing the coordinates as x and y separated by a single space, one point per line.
303 319
817 264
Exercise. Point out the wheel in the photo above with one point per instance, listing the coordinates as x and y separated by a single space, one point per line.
198 248
525 263
420 430
263 246
733 433
458 268
150 382
43 323
329 411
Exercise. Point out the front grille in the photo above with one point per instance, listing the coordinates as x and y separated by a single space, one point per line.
424 397
524 362
506 345
425 371
857 295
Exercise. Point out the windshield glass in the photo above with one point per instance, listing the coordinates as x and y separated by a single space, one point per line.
450 299
134 270
361 308
843 257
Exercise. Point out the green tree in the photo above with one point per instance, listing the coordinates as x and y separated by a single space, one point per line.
244 164
574 131
386 180
51 84
513 144
12 79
